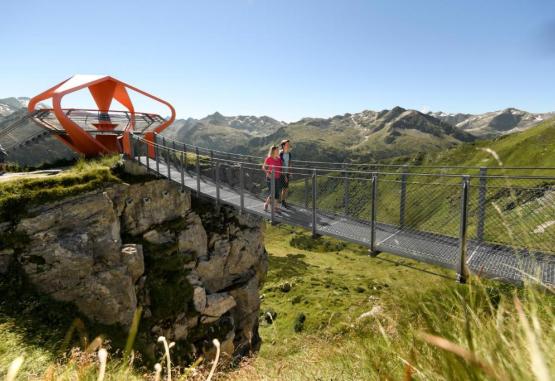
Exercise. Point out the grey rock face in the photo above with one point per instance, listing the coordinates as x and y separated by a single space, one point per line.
213 263
218 304
193 238
158 238
132 258
152 203
75 255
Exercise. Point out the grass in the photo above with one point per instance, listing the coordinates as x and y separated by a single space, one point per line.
423 325
18 195
534 147
486 335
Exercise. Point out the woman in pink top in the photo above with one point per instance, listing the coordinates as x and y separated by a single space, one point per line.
272 162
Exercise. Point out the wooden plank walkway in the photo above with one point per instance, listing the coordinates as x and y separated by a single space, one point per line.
494 261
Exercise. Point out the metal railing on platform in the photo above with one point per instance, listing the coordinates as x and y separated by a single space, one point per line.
90 119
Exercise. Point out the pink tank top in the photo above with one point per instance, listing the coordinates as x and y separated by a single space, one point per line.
274 164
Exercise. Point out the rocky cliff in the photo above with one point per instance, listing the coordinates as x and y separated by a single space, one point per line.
195 270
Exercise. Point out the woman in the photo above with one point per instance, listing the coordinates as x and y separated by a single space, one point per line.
272 162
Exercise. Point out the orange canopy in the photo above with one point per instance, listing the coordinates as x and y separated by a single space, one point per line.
103 89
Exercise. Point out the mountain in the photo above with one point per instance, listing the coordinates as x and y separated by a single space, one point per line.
10 105
534 147
26 143
494 123
222 132
368 135
451 118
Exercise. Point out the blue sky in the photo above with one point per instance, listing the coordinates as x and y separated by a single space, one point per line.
290 59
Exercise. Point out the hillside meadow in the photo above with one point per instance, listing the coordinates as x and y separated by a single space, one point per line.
330 312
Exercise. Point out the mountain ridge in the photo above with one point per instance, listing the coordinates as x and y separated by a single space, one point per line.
494 123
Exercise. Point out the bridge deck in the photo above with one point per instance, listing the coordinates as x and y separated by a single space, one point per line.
485 259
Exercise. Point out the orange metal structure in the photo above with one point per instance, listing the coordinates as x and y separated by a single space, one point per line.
105 139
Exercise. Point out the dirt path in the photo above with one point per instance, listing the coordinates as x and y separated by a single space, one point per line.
9 176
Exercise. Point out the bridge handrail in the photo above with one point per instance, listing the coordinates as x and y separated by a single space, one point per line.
345 171
341 164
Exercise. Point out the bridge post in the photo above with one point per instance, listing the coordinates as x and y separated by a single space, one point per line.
168 152
242 187
373 251
345 190
462 271
173 144
163 141
403 197
306 192
132 146
147 156
182 168
198 171
217 177
482 204
156 156
185 156
272 196
212 163
314 228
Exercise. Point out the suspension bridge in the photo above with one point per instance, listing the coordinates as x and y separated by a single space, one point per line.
491 222
490 225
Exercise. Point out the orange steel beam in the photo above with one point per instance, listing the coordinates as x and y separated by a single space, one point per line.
104 89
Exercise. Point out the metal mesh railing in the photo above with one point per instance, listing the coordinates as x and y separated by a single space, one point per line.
518 212
471 170
478 220
89 120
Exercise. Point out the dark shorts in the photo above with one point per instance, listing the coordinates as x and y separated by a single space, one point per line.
277 190
284 180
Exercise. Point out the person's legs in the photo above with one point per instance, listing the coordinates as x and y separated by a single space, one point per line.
269 198
277 193
285 189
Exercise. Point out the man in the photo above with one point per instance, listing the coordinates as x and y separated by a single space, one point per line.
285 155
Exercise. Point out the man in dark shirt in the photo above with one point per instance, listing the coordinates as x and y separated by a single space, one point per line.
285 155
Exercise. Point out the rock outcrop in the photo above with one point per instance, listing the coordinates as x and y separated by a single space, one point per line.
195 270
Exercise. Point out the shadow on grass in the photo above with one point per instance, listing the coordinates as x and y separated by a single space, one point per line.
289 266
413 267
42 322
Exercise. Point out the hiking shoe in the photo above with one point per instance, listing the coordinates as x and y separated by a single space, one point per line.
284 204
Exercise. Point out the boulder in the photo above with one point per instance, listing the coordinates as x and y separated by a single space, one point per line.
193 238
218 304
180 331
199 299
74 254
132 258
158 238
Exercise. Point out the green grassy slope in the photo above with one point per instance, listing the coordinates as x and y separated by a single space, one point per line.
534 147
332 285
334 288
